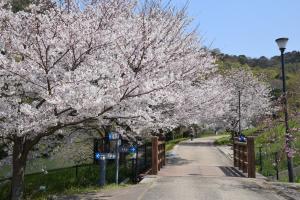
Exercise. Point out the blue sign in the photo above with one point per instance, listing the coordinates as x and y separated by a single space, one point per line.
132 149
242 138
101 156
97 155
110 156
123 149
113 136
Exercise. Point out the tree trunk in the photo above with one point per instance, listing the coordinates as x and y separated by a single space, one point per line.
19 164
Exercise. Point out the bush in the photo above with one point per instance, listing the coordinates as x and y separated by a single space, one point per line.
226 140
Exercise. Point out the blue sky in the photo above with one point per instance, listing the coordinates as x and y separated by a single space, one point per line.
246 27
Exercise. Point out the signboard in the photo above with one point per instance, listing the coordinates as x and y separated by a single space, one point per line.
113 136
123 149
101 157
242 138
132 149
110 156
107 156
127 149
97 155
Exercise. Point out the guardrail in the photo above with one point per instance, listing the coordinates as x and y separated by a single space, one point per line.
142 162
244 156
158 155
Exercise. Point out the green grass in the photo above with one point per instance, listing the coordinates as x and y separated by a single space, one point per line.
170 144
272 141
64 181
35 166
5 171
225 140
90 189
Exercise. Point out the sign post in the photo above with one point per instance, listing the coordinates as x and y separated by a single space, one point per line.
102 168
102 157
112 136
132 153
117 162
102 163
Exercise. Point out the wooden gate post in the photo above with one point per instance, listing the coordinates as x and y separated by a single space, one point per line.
251 157
239 156
164 155
154 155
235 160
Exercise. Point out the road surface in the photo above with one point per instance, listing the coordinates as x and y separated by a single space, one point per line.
196 170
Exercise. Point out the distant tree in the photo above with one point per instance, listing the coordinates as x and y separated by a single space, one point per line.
23 5
291 59
216 52
263 61
255 97
18 5
242 59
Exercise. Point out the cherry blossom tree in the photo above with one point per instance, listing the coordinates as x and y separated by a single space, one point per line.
46 75
212 100
71 65
255 98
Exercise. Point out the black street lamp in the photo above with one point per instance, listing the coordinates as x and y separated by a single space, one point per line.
2 50
282 46
240 126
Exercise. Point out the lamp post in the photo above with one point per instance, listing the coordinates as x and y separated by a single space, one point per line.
2 50
240 127
281 42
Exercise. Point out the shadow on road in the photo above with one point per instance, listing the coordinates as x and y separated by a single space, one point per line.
199 144
174 160
90 196
231 171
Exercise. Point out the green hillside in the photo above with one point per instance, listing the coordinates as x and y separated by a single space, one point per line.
269 69
270 133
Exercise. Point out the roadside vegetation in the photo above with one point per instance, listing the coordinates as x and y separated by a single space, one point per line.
270 138
170 144
65 182
269 145
270 152
225 140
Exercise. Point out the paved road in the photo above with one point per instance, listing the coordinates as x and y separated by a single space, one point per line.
199 171
196 170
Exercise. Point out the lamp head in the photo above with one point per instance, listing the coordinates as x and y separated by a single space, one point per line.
2 50
281 42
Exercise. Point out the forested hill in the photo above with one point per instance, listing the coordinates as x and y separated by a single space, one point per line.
270 69
292 60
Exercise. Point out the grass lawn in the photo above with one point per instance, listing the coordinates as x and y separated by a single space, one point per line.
170 144
270 142
225 140
64 181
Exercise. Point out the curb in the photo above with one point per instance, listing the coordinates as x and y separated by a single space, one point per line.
225 154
